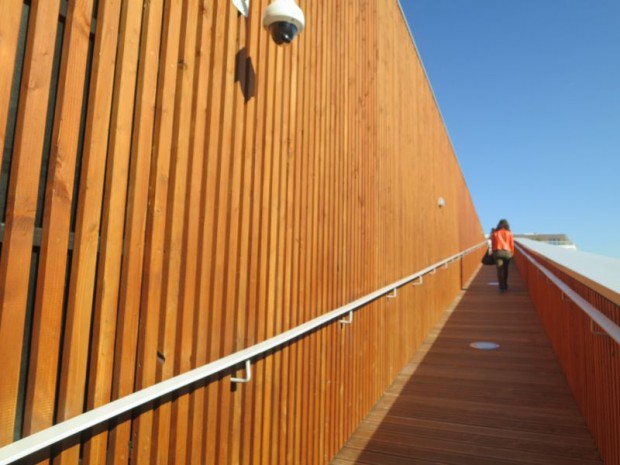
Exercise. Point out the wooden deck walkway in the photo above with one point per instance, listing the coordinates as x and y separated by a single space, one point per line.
457 405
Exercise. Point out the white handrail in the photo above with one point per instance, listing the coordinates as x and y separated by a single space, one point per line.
605 323
599 272
84 421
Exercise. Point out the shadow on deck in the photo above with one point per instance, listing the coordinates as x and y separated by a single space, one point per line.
453 404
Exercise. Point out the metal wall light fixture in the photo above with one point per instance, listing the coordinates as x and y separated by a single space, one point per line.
284 20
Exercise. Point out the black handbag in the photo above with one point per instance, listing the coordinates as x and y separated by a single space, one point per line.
487 258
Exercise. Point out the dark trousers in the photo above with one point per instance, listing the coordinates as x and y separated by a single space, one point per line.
502 259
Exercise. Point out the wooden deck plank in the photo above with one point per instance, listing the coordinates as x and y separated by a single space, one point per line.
454 404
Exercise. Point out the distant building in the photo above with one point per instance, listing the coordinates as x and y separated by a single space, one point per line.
561 240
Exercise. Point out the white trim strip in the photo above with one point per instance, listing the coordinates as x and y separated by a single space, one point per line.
73 426
607 325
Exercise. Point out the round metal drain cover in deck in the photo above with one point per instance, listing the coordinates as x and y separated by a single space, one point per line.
484 345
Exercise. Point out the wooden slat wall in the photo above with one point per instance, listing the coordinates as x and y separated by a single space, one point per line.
228 190
588 358
21 200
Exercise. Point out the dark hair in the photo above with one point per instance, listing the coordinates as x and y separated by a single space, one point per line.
503 224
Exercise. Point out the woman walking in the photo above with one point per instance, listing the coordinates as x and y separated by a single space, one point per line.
503 247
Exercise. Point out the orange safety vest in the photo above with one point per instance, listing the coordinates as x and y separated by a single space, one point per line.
502 239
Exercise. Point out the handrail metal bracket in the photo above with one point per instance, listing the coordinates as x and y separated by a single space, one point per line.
248 374
596 332
433 271
393 294
348 320
419 281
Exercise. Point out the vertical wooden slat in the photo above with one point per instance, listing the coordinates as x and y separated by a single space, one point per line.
223 63
341 179
273 150
81 286
323 257
356 246
326 234
9 35
272 400
173 314
133 249
43 369
284 369
251 36
263 143
146 448
22 198
335 155
187 197
202 84
268 243
255 332
294 373
302 295
104 339
226 249
301 300
240 216
315 293
345 239
288 368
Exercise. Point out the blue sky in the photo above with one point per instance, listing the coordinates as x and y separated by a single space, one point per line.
530 94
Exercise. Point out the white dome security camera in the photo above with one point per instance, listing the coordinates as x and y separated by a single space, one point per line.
284 19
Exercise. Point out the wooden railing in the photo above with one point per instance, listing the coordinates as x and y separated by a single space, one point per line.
583 325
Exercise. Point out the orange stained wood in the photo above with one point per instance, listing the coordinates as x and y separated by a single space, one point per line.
133 252
192 297
577 344
145 449
75 353
190 172
454 404
224 190
9 34
22 199
47 321
111 326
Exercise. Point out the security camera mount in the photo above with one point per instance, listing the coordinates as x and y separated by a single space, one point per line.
243 6
284 19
